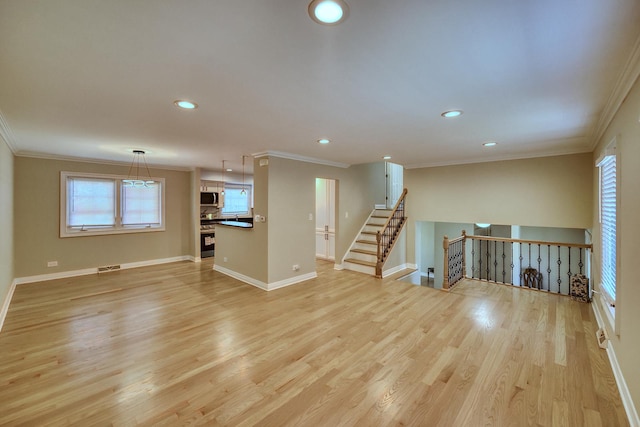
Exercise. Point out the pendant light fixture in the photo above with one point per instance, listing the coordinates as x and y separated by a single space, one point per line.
135 163
243 192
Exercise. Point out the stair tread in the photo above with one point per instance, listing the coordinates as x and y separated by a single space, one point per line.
364 251
358 261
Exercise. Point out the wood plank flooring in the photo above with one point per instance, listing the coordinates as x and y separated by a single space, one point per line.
180 344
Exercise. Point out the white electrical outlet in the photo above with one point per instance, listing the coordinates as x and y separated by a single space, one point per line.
346 214
295 267
310 217
52 264
225 259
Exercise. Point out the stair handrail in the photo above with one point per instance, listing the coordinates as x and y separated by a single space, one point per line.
381 255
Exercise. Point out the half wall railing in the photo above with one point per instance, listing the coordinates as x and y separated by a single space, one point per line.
545 266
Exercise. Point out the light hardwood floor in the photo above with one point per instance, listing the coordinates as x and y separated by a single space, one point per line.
180 344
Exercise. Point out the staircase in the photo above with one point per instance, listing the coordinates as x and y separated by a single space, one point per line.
362 256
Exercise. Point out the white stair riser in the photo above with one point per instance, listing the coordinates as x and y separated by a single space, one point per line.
365 246
359 268
362 257
373 228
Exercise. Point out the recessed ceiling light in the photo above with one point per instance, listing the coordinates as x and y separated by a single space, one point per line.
328 12
229 170
387 157
451 113
187 105
490 144
323 141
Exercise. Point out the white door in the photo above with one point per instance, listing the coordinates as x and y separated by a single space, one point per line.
394 183
325 218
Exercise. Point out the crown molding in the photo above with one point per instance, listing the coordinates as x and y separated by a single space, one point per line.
290 156
623 86
500 159
48 156
7 135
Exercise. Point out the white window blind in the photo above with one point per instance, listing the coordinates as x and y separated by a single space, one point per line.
91 202
235 202
141 205
608 200
95 204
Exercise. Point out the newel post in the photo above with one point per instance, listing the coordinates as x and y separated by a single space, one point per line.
464 253
445 246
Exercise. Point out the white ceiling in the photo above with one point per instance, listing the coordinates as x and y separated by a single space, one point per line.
95 79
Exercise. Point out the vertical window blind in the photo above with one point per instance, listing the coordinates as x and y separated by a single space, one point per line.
608 200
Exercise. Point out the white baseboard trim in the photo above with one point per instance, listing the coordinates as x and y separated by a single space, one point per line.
87 271
398 268
6 302
262 285
625 395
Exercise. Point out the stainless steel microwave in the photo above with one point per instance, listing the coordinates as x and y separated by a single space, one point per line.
208 198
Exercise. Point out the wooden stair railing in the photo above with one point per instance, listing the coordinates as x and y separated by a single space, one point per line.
387 236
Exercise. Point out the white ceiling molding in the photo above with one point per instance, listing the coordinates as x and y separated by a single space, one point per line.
290 156
47 156
497 159
628 77
6 134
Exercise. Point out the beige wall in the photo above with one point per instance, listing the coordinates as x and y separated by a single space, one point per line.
245 250
284 193
292 199
545 192
36 233
626 338
6 221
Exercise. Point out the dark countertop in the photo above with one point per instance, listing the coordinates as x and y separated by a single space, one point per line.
237 224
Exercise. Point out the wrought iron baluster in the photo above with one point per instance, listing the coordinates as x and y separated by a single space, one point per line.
512 265
580 264
488 261
539 261
549 267
473 258
569 272
503 257
495 261
521 258
559 263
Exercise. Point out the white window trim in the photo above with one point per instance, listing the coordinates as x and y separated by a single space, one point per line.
119 228
607 300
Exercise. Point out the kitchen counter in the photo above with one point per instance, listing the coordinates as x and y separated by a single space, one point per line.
237 224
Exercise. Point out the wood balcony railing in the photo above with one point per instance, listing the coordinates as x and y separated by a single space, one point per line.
387 236
545 266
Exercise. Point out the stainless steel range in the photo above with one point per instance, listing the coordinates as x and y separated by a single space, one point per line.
207 238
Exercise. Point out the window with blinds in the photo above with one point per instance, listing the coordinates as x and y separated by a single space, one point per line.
608 203
92 204
237 199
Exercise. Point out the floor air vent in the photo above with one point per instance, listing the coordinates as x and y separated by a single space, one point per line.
108 268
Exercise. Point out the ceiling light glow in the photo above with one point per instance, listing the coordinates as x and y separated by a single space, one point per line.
490 144
328 12
187 105
386 158
451 113
323 141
